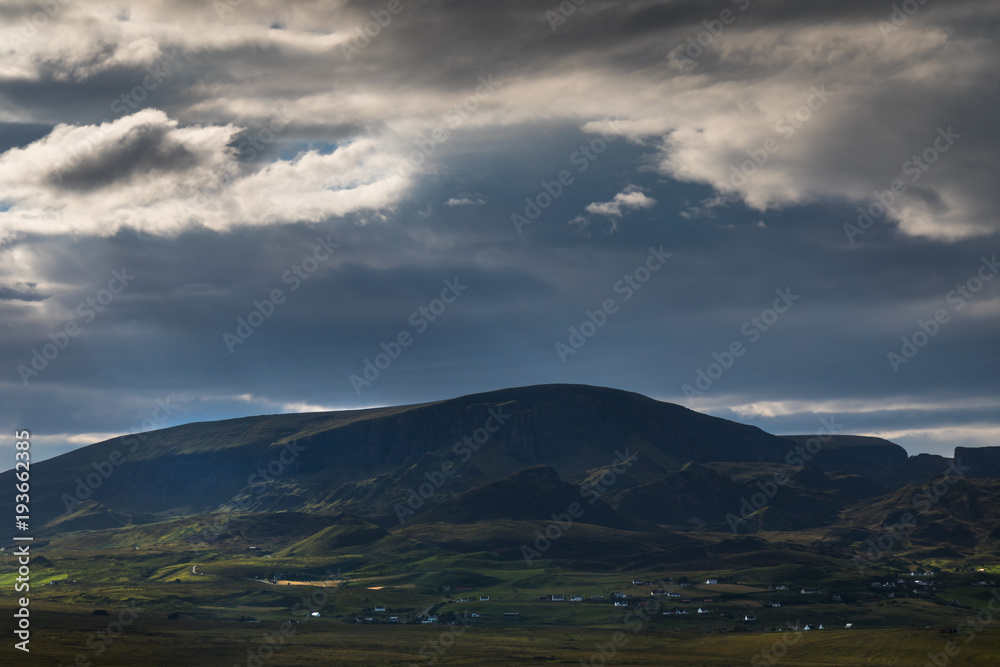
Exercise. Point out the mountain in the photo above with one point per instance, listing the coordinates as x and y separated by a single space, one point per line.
535 493
364 461
518 455
481 510
855 454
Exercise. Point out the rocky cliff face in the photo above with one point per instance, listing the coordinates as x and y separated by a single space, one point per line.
983 461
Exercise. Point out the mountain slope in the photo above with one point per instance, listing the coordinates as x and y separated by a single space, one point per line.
363 461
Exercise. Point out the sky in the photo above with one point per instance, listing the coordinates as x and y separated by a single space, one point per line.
781 213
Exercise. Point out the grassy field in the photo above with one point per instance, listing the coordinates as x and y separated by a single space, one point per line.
60 638
210 606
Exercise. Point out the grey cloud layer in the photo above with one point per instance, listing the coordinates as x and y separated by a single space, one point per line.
208 149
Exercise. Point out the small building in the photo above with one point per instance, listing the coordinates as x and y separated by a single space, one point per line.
315 614
621 603
576 598
377 609
394 619
750 618
484 598
711 581
558 598
512 614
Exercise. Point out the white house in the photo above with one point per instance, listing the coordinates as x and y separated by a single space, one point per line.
576 598
711 582
379 608
558 598
484 598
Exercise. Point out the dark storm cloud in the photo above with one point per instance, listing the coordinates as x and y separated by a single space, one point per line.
203 147
23 292
142 149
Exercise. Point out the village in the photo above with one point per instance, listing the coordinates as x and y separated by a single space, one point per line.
709 603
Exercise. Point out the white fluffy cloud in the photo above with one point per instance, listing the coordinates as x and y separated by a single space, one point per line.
147 172
629 198
749 95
